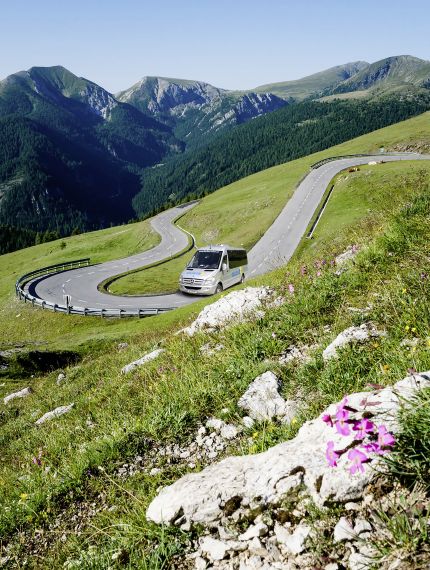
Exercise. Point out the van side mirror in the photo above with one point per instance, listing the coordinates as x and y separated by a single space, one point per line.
224 267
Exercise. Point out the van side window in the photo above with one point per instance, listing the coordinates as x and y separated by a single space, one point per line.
237 258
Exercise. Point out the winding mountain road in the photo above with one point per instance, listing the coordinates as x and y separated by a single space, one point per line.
274 249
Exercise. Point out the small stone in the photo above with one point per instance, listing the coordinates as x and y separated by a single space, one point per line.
229 431
215 549
332 566
61 378
352 506
295 542
247 422
155 471
259 529
61 410
122 345
21 394
361 525
343 530
262 400
200 563
255 547
201 431
214 424
141 361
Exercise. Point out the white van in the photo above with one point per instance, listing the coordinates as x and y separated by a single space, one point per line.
213 269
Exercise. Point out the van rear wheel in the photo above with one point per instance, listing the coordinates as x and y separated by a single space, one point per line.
219 288
242 279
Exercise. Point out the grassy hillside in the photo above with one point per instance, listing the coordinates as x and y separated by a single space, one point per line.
230 214
279 137
305 87
238 213
75 483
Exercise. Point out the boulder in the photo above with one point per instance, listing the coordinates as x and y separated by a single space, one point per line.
350 336
21 394
266 478
141 361
235 306
262 400
60 411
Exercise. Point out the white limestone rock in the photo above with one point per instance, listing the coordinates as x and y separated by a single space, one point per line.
21 394
60 411
349 336
141 361
213 548
235 306
362 525
268 477
343 530
255 530
262 400
248 422
346 256
294 542
61 378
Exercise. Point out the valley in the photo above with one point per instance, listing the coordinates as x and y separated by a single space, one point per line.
150 443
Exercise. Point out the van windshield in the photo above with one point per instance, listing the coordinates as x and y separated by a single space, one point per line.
205 260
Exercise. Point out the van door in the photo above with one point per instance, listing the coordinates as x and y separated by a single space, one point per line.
226 275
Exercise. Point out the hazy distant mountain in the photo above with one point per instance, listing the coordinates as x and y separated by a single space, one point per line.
71 155
397 73
312 84
196 109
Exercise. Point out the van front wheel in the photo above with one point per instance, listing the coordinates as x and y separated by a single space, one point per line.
219 288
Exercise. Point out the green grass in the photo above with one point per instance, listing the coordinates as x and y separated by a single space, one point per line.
238 213
116 417
230 214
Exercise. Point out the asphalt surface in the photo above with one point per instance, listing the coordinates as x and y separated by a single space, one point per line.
280 241
274 249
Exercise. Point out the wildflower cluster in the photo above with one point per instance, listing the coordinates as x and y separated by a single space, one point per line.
368 438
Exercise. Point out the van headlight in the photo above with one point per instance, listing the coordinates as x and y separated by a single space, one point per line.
210 281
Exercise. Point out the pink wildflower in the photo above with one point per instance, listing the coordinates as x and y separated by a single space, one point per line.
327 419
342 423
318 273
331 455
291 288
363 427
385 438
354 248
372 447
303 270
38 459
357 459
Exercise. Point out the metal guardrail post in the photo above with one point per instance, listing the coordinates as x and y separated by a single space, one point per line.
103 312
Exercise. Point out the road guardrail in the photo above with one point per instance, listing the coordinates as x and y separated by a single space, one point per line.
26 296
379 155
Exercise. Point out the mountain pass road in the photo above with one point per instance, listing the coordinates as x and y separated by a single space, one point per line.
274 249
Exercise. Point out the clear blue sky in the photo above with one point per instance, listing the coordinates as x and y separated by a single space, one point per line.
235 44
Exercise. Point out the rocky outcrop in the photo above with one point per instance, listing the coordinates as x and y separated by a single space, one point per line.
20 394
201 106
265 479
351 335
262 400
60 411
234 307
141 361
